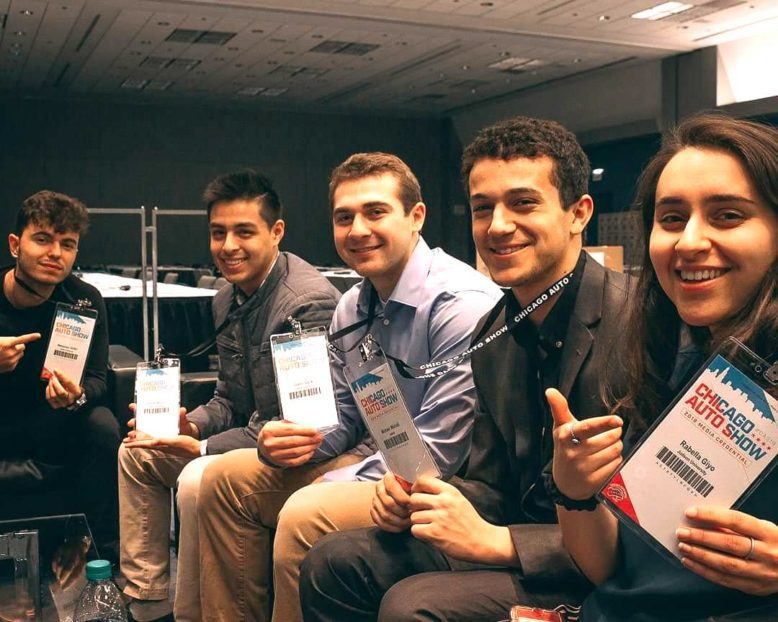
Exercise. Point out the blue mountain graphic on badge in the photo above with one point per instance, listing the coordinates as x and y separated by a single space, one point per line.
73 317
365 381
742 384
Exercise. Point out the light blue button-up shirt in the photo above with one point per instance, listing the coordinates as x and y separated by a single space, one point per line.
429 316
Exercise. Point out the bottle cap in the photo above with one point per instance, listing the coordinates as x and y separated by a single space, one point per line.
98 569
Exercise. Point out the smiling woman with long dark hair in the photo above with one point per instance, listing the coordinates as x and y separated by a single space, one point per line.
709 203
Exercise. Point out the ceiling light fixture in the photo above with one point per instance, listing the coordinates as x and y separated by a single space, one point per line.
26 12
660 11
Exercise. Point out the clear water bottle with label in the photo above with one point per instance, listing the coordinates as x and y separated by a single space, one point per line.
100 601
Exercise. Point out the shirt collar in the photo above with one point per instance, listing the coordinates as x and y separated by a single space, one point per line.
412 280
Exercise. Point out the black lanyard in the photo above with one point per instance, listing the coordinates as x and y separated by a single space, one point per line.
233 316
439 368
347 330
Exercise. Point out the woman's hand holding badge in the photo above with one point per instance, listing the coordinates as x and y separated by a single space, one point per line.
731 548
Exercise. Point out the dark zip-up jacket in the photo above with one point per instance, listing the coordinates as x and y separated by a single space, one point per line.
245 396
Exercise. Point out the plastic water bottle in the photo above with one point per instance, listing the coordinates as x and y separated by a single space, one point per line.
100 601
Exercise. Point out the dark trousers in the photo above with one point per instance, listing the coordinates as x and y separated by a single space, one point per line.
55 461
368 574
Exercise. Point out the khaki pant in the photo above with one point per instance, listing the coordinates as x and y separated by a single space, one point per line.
237 507
311 513
145 479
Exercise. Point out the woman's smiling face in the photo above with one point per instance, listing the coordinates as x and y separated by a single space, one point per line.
713 238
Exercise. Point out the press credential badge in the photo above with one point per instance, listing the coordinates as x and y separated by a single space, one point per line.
158 397
71 336
712 447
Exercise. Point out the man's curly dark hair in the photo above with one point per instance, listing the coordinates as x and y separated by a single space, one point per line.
59 211
524 137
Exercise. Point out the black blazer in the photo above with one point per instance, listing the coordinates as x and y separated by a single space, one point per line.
498 477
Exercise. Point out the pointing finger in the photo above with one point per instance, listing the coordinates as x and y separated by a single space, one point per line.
22 339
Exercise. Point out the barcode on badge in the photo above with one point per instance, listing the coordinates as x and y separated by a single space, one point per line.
401 438
684 470
296 395
66 355
156 411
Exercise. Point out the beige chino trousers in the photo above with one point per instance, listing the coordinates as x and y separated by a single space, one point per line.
309 514
145 479
238 505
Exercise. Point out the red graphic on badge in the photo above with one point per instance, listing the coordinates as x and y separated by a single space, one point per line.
616 492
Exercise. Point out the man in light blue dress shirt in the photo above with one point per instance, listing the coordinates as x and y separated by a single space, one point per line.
420 305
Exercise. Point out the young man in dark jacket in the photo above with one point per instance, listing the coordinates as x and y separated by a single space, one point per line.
55 438
266 289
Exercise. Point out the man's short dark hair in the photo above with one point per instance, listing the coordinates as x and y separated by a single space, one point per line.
246 185
361 165
523 137
54 209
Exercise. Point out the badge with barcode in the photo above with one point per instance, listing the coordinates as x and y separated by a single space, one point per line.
712 446
383 409
158 397
303 378
71 336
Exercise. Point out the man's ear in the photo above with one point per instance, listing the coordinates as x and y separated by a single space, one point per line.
13 244
277 232
582 211
418 214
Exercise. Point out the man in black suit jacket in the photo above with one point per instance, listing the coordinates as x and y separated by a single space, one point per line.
471 548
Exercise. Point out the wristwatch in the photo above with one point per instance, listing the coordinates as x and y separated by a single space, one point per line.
80 401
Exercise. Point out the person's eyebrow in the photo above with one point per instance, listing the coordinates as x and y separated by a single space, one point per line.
672 200
513 191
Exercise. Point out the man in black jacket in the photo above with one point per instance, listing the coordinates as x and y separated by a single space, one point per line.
471 548
267 288
57 444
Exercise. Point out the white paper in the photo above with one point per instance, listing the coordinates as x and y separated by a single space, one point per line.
382 407
157 399
304 381
713 444
68 348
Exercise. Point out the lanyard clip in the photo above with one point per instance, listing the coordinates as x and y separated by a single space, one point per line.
368 348
83 303
771 373
158 354
297 328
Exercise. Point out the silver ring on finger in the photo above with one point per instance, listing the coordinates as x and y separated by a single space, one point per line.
573 438
750 553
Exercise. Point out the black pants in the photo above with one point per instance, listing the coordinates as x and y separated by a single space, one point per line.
368 574
55 461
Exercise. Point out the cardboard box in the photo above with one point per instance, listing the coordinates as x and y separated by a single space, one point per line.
609 256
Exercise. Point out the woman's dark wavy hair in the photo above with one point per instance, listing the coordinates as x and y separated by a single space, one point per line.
654 323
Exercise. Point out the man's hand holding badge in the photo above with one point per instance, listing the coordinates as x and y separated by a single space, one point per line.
288 444
62 391
186 443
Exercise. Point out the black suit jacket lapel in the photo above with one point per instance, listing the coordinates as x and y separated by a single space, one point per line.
586 314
